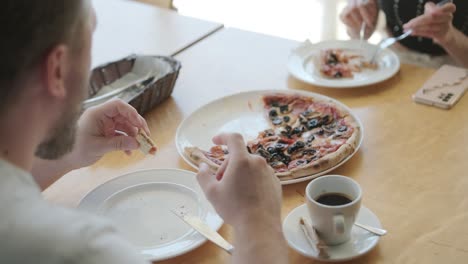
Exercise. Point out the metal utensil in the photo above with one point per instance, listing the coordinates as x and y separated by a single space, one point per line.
142 81
313 239
385 43
204 229
374 230
362 32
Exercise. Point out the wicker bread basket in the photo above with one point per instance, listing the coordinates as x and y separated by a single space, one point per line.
149 93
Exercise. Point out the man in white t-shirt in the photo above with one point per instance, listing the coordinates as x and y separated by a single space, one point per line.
45 52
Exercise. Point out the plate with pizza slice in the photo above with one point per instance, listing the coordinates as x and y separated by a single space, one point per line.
300 134
341 64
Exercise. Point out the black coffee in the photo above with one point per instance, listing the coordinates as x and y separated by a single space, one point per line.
333 199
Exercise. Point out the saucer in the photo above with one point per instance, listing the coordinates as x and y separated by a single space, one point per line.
360 243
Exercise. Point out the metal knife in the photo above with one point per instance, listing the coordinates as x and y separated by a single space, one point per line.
204 229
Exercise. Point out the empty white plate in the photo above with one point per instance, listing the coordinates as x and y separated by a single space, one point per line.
139 204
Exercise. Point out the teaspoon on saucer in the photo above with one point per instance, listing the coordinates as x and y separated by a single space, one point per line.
373 230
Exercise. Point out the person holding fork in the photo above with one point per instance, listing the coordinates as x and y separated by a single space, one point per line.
439 29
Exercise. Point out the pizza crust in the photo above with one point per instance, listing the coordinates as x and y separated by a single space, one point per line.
147 145
197 156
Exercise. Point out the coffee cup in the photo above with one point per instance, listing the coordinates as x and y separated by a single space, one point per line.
333 202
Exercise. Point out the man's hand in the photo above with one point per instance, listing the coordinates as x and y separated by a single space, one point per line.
435 23
100 131
244 188
357 12
97 134
247 195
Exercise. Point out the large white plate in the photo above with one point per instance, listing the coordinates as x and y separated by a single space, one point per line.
241 113
139 204
303 61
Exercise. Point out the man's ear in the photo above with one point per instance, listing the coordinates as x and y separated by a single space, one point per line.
54 71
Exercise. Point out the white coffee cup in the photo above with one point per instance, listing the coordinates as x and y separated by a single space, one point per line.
333 222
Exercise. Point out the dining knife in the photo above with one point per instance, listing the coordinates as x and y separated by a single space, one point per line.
204 229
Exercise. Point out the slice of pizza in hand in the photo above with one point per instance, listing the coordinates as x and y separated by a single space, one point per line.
213 157
147 145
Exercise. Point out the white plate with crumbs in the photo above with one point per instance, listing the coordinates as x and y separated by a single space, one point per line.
140 204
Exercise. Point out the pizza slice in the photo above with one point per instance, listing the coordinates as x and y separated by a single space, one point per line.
213 157
147 145
338 63
283 112
334 64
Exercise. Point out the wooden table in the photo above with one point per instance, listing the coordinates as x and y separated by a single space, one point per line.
412 164
126 27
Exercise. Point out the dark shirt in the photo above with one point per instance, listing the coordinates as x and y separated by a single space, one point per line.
399 12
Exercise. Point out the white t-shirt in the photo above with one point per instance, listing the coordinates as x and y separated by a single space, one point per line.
34 231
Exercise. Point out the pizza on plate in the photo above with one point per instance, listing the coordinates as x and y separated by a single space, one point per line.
306 136
339 63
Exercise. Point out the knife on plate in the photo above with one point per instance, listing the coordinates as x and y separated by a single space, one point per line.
204 229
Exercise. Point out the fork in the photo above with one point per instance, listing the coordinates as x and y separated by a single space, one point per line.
385 43
362 33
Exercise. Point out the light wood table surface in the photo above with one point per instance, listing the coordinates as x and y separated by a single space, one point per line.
412 165
126 27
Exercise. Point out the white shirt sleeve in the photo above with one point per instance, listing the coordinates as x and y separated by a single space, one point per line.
108 247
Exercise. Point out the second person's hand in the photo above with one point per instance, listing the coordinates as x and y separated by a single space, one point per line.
435 23
358 12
